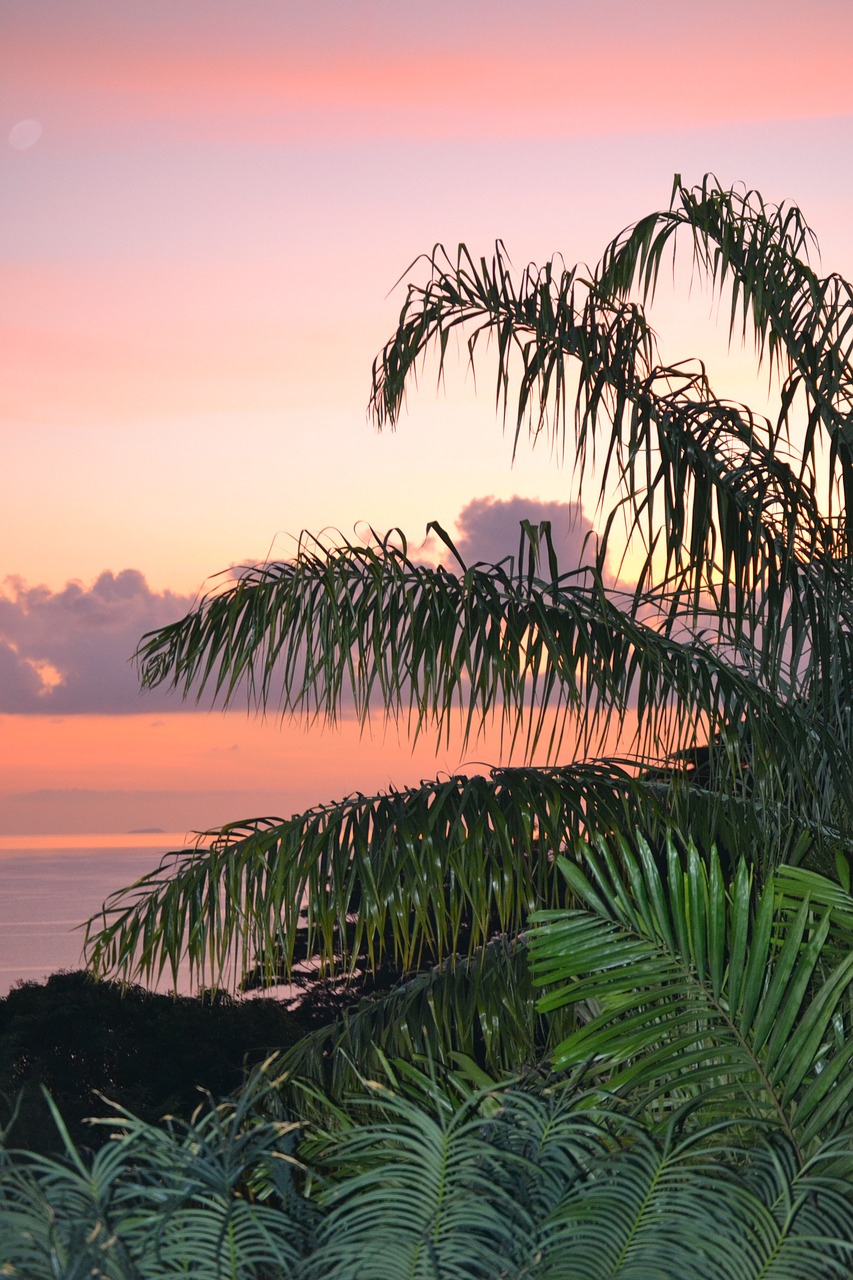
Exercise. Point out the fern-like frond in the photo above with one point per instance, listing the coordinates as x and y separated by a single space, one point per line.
698 992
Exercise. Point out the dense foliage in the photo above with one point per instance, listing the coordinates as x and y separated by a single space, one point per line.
83 1040
431 1178
677 1101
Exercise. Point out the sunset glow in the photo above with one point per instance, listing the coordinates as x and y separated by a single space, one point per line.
205 207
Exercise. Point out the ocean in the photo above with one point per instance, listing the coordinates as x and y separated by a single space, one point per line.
49 885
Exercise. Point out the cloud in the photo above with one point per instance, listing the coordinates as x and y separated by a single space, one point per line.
488 530
69 651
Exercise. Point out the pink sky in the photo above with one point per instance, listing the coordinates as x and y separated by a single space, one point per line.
198 239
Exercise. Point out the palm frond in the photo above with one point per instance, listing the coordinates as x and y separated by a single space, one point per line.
424 1175
161 1201
418 1196
667 1209
699 992
422 872
713 489
803 322
567 1190
481 1008
353 623
405 877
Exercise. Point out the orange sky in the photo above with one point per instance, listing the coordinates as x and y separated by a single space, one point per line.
198 242
118 773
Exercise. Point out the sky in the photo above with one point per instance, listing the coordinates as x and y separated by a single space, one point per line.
206 206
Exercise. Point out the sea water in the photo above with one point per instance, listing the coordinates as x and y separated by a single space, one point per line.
50 885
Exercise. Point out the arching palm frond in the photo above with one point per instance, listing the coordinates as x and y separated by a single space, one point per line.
550 658
192 1204
407 877
480 1008
804 323
423 872
715 490
56 1216
700 993
416 1194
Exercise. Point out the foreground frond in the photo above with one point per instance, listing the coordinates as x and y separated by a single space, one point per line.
422 873
425 1176
703 994
498 1183
159 1202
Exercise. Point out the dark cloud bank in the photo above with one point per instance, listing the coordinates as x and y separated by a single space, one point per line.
70 652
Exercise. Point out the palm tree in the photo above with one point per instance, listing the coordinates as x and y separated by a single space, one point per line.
732 652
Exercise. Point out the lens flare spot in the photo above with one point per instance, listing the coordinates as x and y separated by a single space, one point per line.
24 134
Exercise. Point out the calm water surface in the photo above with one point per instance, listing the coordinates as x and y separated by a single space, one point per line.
49 885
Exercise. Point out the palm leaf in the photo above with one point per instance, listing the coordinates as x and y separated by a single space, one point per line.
672 1209
159 1202
481 1008
703 481
400 875
417 1196
700 992
352 624
401 878
509 1183
803 323
425 1176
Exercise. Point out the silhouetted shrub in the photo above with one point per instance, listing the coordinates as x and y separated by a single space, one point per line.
150 1053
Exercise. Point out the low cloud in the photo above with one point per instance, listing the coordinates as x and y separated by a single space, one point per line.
81 811
70 651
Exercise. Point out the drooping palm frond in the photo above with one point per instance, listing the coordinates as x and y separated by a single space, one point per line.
403 878
803 322
733 654
702 993
717 493
427 871
481 1008
353 624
